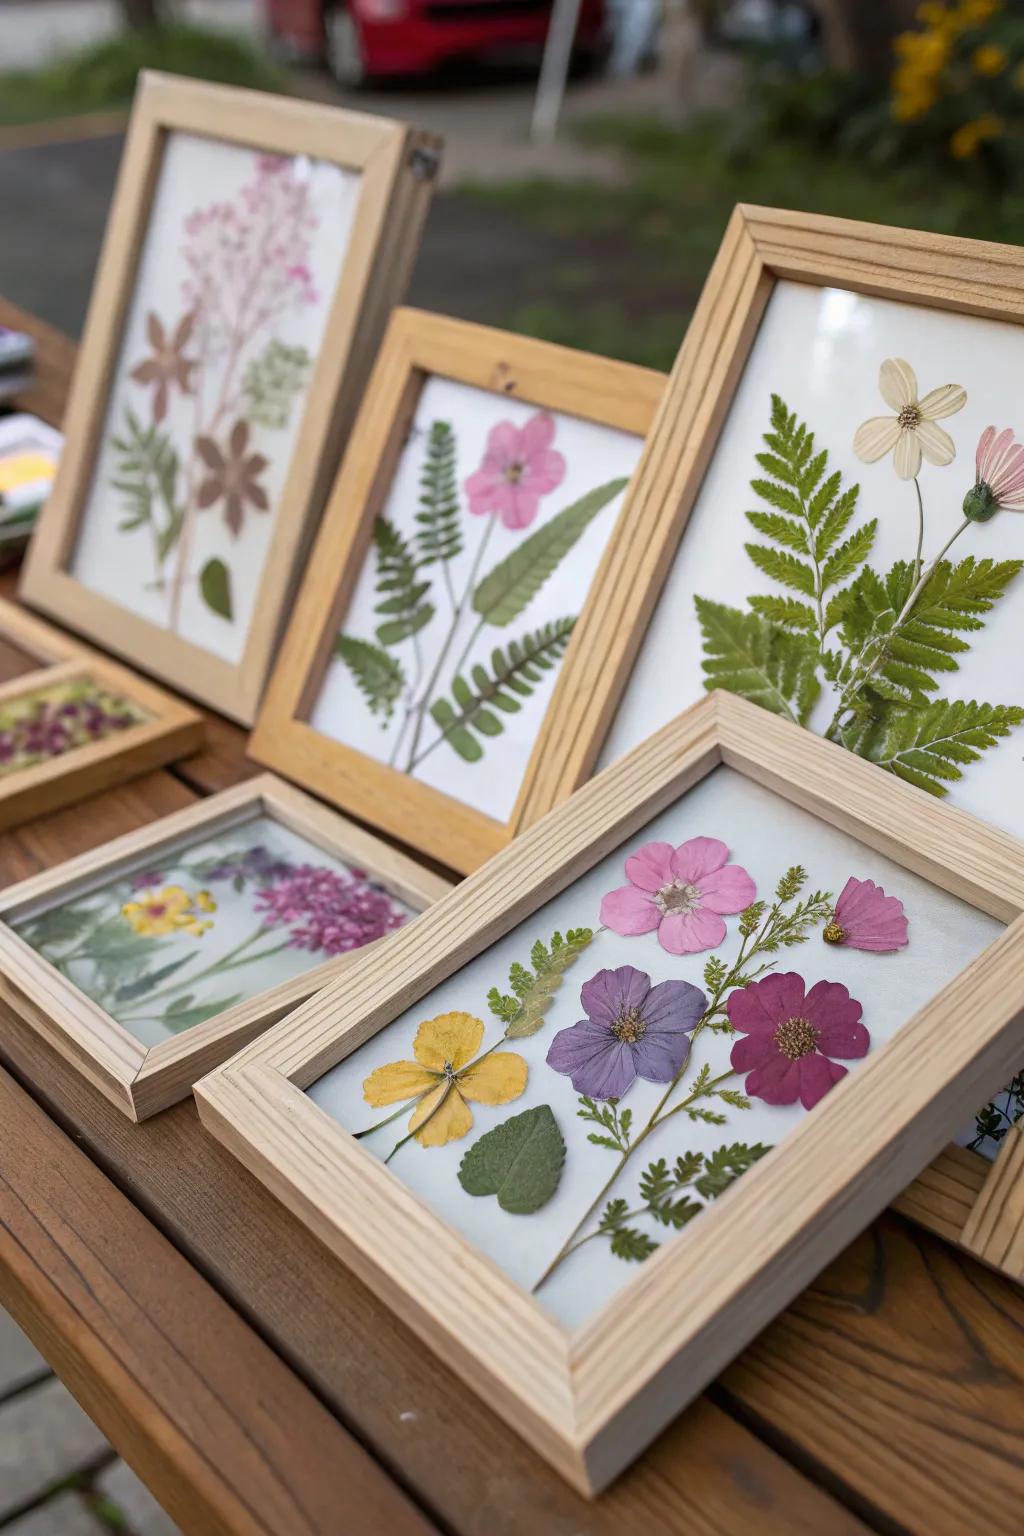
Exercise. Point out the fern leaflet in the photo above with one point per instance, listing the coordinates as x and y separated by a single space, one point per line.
439 533
378 675
399 588
515 671
930 747
759 660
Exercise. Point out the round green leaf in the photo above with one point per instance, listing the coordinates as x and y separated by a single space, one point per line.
520 1161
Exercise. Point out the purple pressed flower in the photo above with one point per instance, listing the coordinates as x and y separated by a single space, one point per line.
146 878
631 1030
326 911
257 864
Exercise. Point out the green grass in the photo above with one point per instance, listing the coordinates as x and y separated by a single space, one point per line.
103 76
636 255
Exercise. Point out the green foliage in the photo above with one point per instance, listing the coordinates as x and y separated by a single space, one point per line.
1000 1116
181 1013
378 675
931 746
667 1195
60 925
215 588
512 585
522 1010
147 477
725 1165
272 382
141 985
615 1127
514 673
440 528
759 660
399 588
520 1161
811 513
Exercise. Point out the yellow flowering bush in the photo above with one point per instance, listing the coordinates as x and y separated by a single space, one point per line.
958 81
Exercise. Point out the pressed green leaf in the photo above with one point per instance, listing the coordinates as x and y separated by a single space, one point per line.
439 530
930 746
455 733
178 1018
725 1165
523 1011
849 556
130 990
512 585
784 530
396 630
519 1161
378 675
758 660
58 926
788 611
632 1245
215 587
784 568
400 588
515 670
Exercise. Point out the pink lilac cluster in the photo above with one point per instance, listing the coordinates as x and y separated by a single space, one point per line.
329 912
249 260
50 729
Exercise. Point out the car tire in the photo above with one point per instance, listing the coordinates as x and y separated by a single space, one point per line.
344 53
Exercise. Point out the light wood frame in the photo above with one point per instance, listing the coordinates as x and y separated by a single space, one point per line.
397 165
141 1079
590 1400
169 730
418 346
762 246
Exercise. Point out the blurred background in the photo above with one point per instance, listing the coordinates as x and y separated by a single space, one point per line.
599 237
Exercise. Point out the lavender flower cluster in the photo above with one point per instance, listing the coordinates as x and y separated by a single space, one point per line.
35 730
329 912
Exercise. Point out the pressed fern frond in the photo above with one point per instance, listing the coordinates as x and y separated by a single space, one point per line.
378 675
760 661
514 673
147 474
930 747
439 534
401 591
810 514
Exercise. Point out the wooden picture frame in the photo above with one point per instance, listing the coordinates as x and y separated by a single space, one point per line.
396 166
419 347
591 1399
964 1197
166 730
141 1081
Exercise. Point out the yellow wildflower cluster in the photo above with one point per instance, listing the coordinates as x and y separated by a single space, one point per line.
170 910
930 64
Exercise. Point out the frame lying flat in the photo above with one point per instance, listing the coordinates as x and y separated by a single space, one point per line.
141 1080
590 1400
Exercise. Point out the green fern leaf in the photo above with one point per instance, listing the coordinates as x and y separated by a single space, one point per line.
439 534
515 671
929 747
758 660
147 477
399 588
782 529
848 558
378 676
513 584
787 611
784 568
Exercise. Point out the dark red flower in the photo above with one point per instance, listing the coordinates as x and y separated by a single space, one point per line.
792 1035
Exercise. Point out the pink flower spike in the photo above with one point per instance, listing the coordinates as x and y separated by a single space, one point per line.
683 892
866 918
519 467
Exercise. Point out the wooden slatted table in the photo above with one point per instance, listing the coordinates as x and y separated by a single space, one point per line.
257 1387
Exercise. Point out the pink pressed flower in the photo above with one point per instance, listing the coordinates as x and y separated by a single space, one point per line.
791 1036
327 911
519 467
683 892
866 918
999 472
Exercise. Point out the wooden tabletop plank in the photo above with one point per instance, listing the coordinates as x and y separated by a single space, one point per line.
225 1435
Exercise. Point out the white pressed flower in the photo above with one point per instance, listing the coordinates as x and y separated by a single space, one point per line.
912 433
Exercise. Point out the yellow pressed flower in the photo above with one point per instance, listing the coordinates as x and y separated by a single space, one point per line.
969 137
444 1076
989 59
912 432
170 910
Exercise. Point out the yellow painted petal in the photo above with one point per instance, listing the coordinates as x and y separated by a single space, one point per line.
495 1080
936 443
398 1081
944 401
451 1038
876 438
441 1117
906 458
898 383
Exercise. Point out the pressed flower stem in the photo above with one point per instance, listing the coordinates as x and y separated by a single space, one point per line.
234 958
862 677
920 531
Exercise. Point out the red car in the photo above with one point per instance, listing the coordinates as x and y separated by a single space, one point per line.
359 39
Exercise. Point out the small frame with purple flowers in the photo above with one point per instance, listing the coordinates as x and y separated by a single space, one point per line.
599 1116
149 960
73 723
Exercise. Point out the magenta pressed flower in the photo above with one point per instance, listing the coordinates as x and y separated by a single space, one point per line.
519 467
327 911
866 918
999 476
683 892
792 1036
631 1030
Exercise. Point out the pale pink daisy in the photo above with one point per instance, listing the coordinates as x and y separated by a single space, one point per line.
683 892
519 467
999 476
866 918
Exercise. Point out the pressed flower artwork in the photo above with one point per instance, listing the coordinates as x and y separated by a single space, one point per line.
481 557
238 270
213 924
57 718
581 1092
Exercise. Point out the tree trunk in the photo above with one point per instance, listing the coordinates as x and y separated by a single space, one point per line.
141 14
858 34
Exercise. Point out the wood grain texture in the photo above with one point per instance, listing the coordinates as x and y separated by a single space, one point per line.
391 206
223 1433
418 346
592 1400
706 1474
994 1231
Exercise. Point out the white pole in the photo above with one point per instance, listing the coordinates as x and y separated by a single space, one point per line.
554 70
